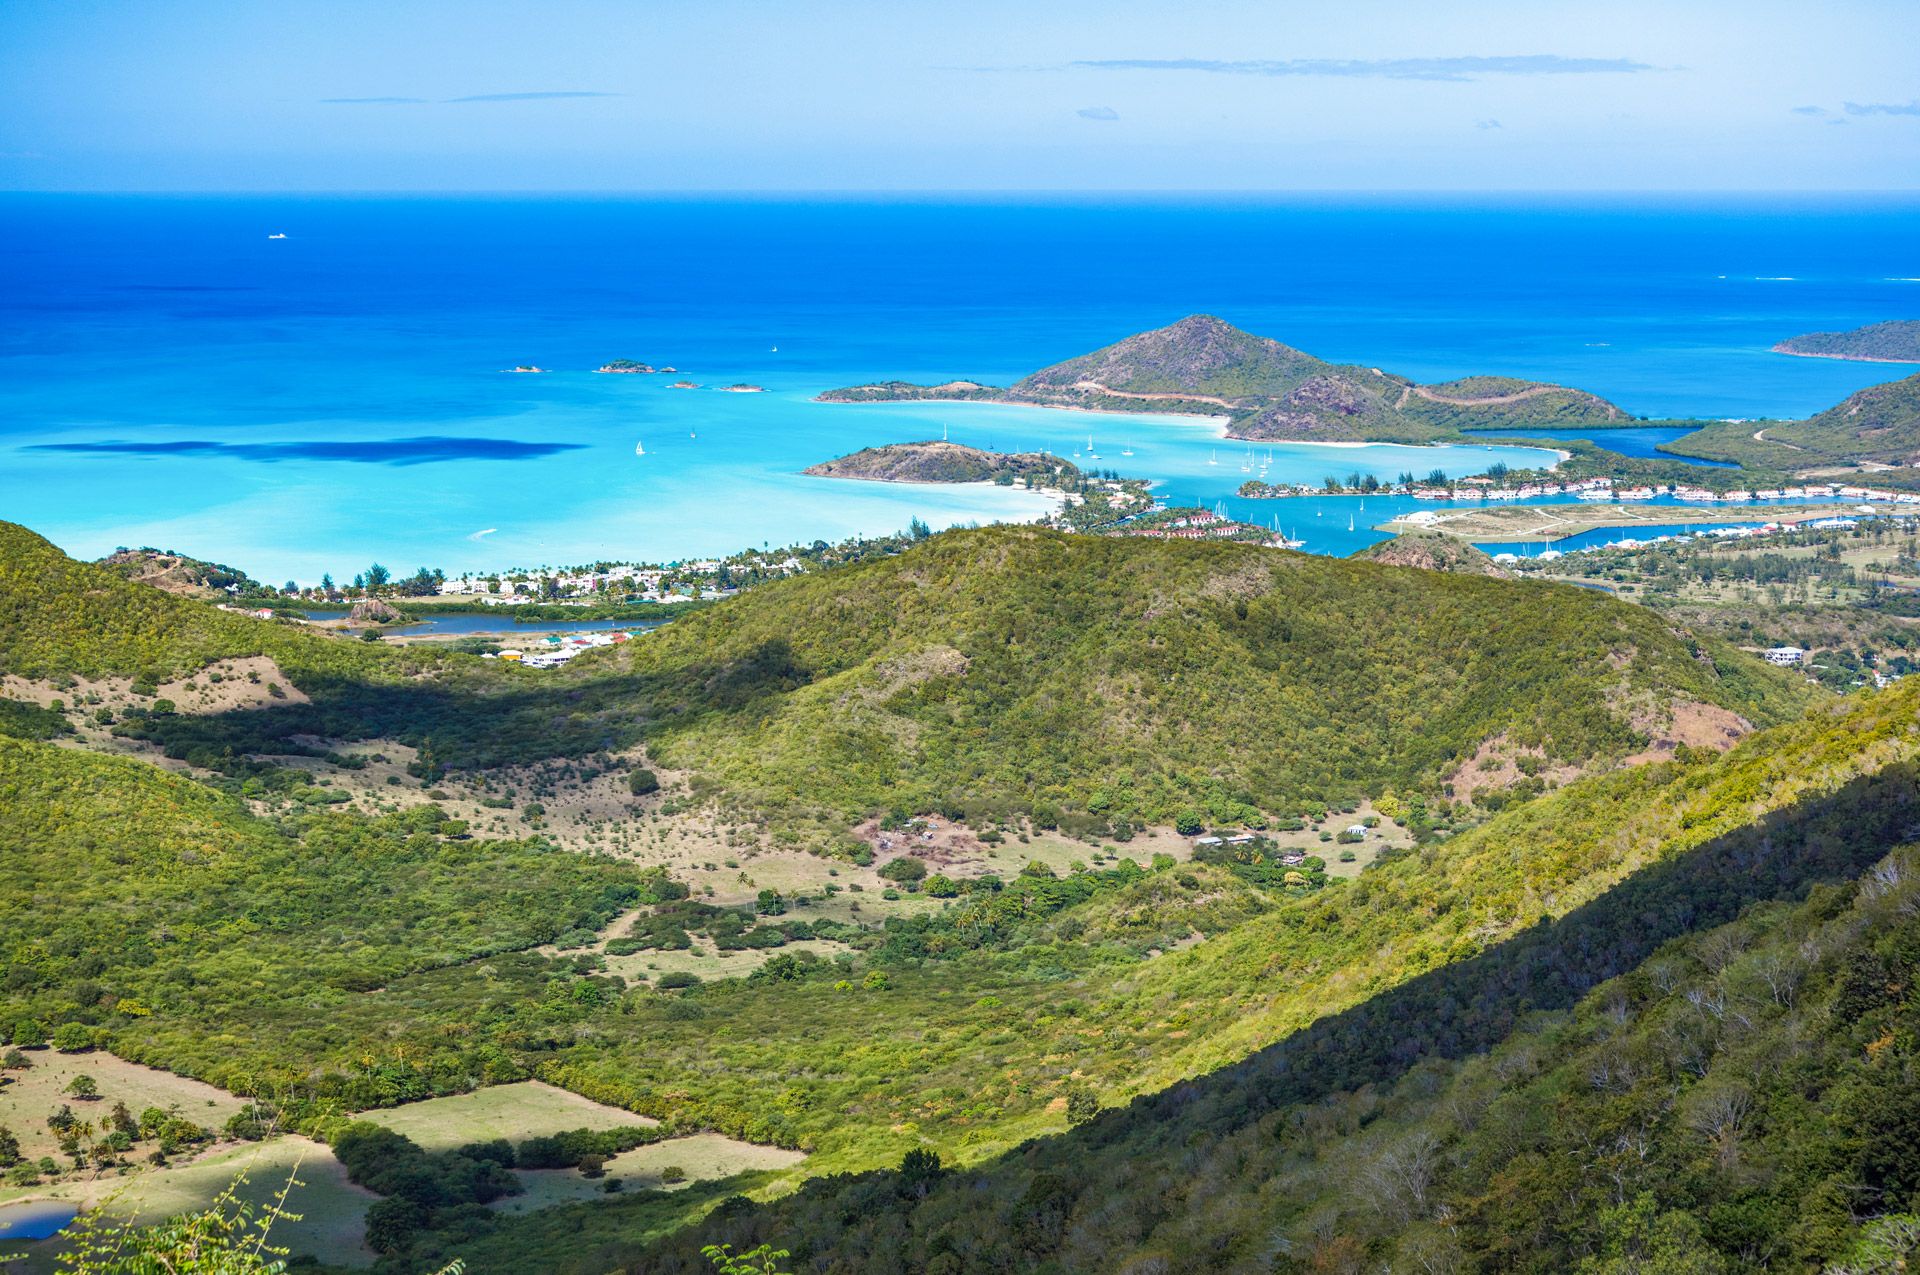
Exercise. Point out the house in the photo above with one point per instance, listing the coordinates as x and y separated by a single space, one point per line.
1292 859
1356 830
1206 841
1785 656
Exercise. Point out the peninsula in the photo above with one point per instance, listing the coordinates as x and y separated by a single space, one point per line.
936 461
1267 391
1894 342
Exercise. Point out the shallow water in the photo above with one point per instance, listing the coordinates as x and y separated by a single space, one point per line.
35 1219
1641 441
1601 536
169 376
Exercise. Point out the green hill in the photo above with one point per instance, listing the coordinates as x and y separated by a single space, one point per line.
1880 424
174 924
1894 342
1713 1060
1182 1066
996 675
1205 365
1431 551
1006 671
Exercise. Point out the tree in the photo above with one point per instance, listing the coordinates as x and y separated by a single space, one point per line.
920 1168
1189 823
71 1038
642 781
391 1223
593 1165
28 1033
377 577
9 1148
904 869
918 530
1082 1104
84 1086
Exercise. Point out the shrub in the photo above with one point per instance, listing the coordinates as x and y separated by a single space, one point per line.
676 979
71 1038
673 1173
904 869
642 782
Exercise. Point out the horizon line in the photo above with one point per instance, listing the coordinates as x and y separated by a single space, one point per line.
916 192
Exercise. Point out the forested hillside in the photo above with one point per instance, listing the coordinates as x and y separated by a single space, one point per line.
170 923
1710 1067
992 675
1208 1065
1880 423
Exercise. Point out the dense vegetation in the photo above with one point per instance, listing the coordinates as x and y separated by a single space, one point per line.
1112 682
161 918
1436 956
1745 1097
995 675
1897 341
1233 1064
1880 424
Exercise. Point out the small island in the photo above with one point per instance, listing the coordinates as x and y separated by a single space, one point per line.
936 461
743 388
524 367
629 367
1897 341
683 385
1265 391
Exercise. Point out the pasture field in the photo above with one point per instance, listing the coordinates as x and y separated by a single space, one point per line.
30 1096
528 1109
701 1157
332 1211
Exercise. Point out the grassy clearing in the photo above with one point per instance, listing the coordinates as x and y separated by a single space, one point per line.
30 1096
529 1109
332 1210
703 1157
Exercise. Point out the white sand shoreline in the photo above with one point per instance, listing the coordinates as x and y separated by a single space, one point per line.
1216 421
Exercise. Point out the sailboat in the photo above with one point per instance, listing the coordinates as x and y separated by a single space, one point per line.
1215 458
1349 522
1091 454
691 434
639 449
1127 450
943 433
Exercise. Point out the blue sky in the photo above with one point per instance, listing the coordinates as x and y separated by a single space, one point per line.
901 95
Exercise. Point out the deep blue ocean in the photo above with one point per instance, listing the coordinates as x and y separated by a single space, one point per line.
170 375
